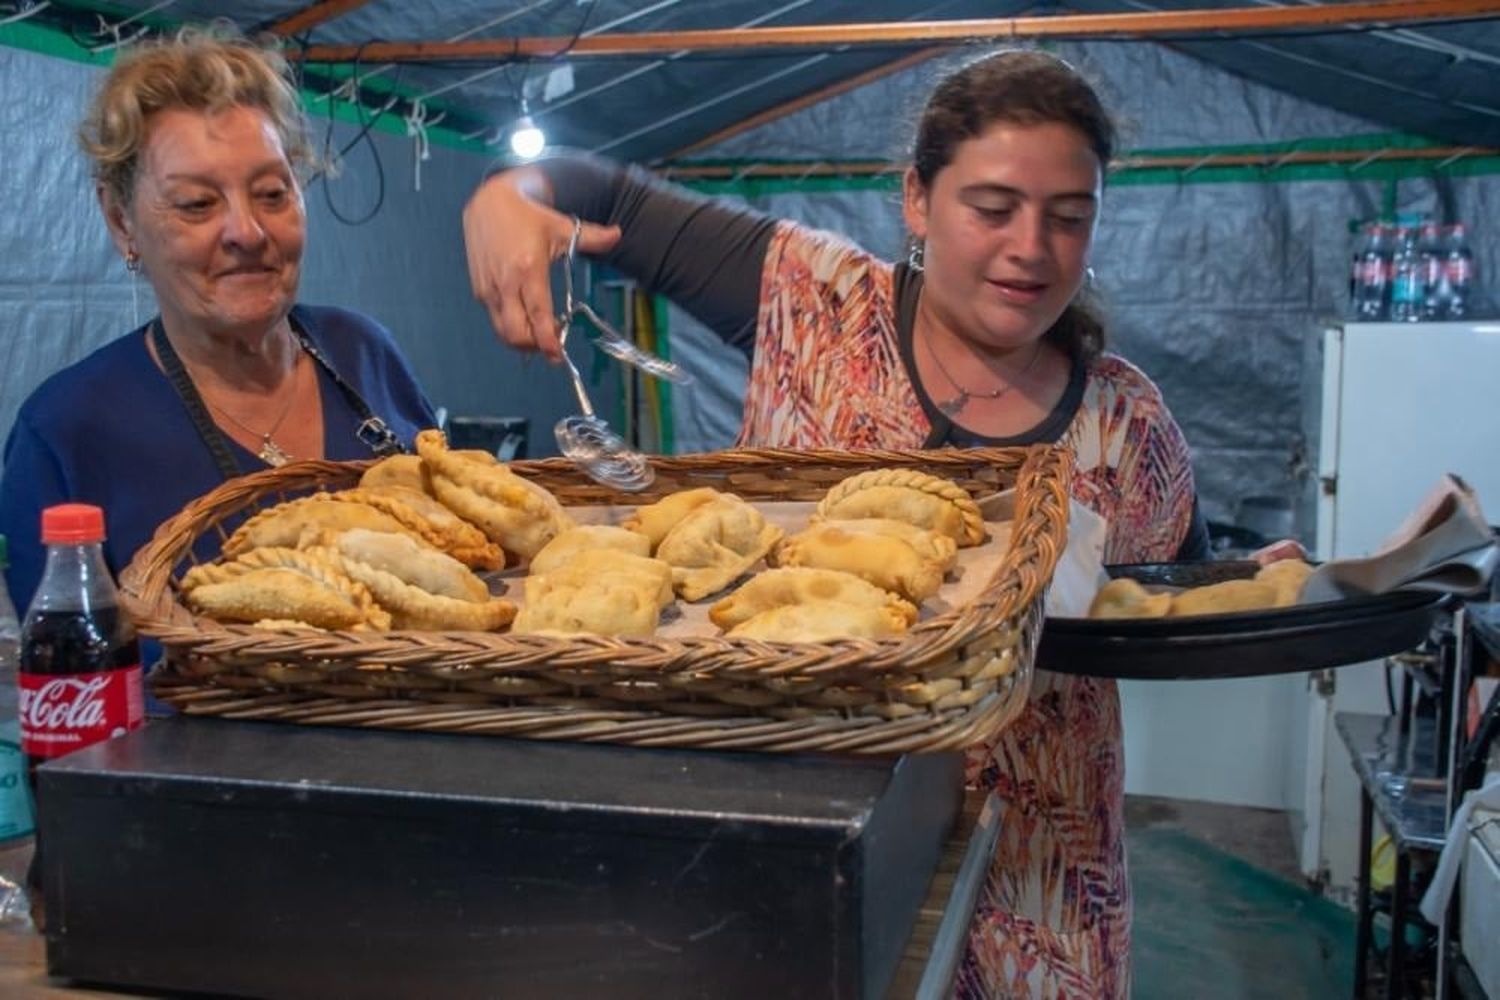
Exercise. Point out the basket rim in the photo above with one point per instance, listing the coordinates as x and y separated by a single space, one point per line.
1042 474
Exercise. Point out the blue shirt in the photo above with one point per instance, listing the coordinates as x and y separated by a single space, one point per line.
111 431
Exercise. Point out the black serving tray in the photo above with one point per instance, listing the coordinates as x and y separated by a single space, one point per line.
1249 644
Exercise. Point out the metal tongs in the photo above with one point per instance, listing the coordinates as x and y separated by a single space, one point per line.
585 438
610 340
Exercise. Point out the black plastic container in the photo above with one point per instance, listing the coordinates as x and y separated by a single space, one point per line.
271 860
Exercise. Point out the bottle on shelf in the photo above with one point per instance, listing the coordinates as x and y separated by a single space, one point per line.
1407 292
1458 272
1432 262
1370 274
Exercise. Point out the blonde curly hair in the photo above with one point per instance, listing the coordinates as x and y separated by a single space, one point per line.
199 70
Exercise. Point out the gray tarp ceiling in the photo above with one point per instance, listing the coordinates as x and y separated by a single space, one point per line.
1437 80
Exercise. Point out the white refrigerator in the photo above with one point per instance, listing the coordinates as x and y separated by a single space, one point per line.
1401 404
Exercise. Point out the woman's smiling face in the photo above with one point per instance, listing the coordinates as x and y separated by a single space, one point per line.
218 220
1006 228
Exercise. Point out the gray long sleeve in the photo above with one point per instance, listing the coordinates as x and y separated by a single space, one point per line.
705 255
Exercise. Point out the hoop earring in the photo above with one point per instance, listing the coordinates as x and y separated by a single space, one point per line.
916 255
132 261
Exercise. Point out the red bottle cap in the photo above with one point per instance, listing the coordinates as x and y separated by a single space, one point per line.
74 523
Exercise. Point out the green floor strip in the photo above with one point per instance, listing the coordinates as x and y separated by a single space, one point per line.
1208 924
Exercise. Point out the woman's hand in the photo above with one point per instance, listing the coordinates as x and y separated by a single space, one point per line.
1287 548
511 240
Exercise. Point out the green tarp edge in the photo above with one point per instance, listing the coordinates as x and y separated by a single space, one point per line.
49 41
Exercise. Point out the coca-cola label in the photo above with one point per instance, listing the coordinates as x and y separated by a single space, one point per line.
63 713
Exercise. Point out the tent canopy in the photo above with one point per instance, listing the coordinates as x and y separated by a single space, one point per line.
1429 68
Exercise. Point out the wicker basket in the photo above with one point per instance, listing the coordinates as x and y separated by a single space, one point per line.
949 682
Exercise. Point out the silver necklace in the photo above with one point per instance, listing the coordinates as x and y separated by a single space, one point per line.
953 407
270 452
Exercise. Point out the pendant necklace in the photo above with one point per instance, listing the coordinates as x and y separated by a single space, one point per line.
952 407
270 452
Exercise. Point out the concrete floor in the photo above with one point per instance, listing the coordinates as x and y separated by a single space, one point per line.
1221 910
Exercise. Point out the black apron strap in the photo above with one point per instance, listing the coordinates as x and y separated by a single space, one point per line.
209 431
374 432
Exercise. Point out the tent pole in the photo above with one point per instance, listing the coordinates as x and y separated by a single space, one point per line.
1153 24
311 16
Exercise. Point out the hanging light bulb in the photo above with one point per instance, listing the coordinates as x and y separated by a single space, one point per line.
526 140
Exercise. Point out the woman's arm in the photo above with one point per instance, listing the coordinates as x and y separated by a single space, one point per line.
705 255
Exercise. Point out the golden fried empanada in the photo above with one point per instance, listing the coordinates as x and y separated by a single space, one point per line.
516 513
588 538
275 593
1126 598
803 585
656 519
412 562
455 536
652 576
598 608
307 521
396 471
714 544
821 621
933 545
411 607
884 560
316 564
1287 577
911 496
1223 598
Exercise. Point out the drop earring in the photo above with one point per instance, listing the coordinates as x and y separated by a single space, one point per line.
133 266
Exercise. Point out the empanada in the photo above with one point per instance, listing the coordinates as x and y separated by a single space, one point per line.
455 536
411 607
317 565
714 544
310 520
803 585
821 621
884 560
1126 598
588 538
412 562
911 496
933 545
275 593
656 519
652 577
516 513
1287 577
600 608
1223 598
398 471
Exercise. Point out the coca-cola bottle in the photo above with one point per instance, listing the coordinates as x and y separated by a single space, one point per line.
80 662
1371 274
1459 271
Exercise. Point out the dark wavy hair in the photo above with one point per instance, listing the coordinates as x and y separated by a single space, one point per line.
1023 88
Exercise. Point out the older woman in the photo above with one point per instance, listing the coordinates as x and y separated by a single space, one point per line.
984 343
196 144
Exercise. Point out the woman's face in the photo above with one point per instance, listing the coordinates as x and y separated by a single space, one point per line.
1007 227
217 219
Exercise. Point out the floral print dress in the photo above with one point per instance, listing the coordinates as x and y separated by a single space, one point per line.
1054 917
